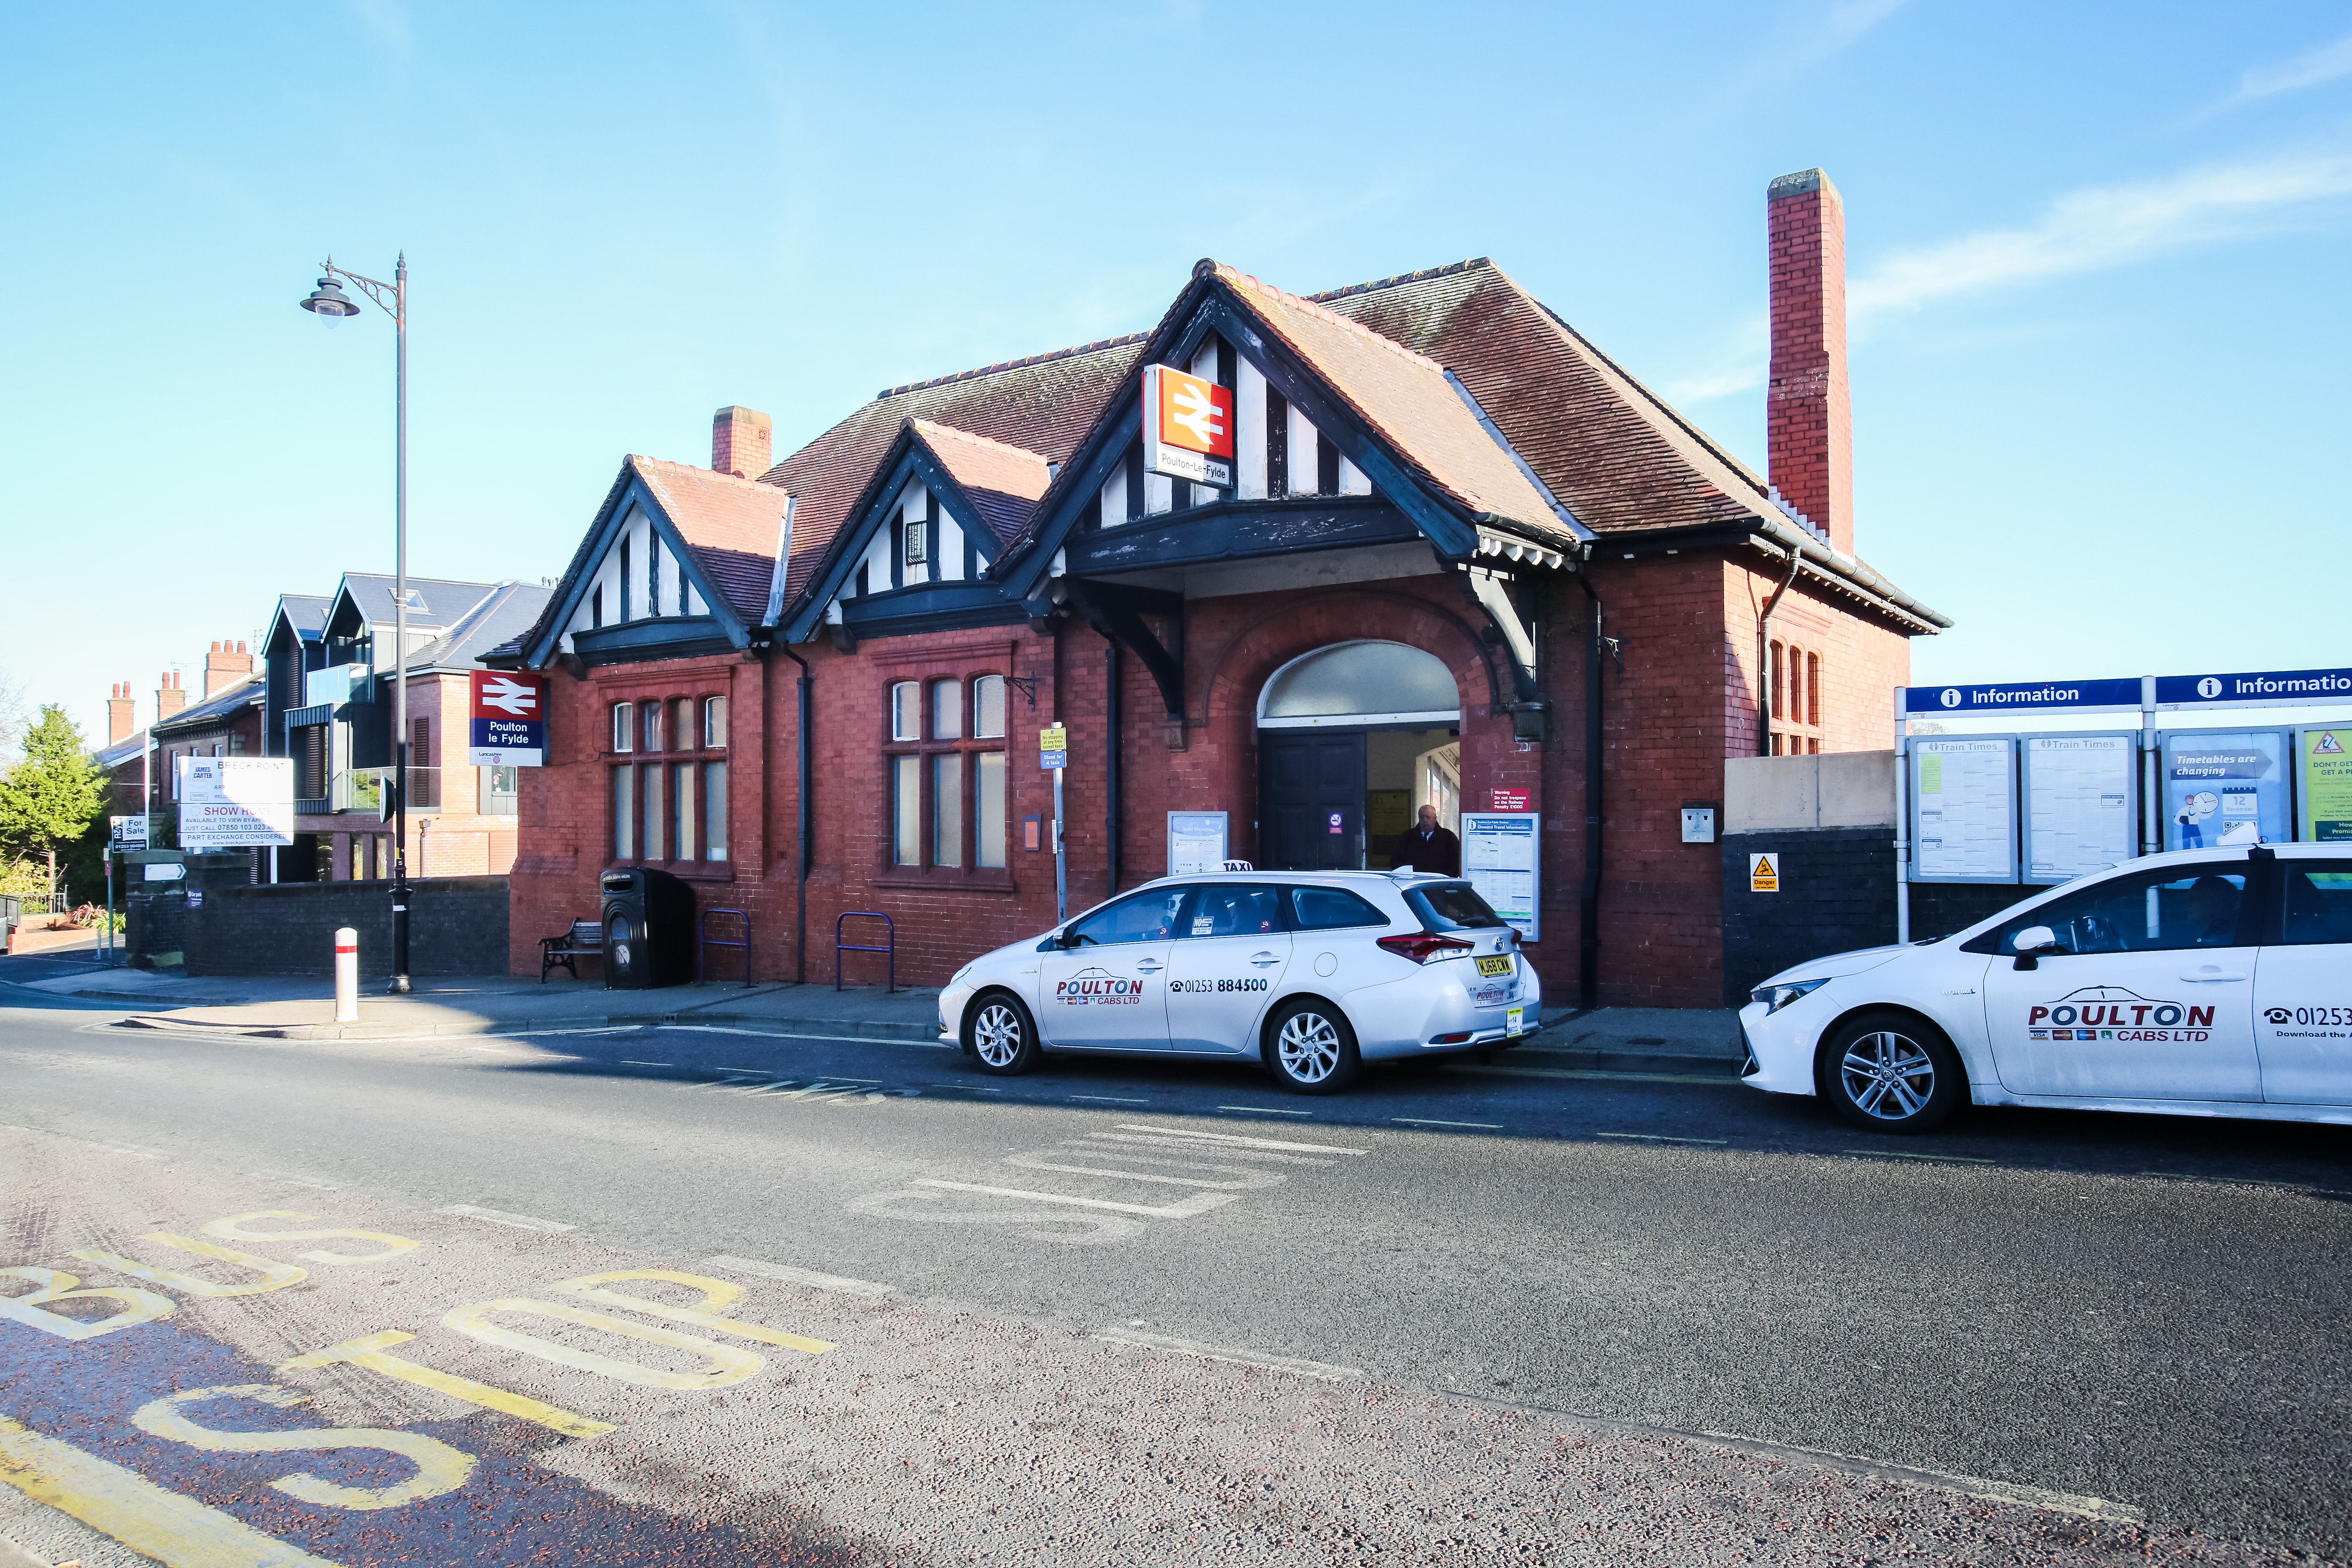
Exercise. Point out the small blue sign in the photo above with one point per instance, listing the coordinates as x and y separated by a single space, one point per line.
2255 689
2023 696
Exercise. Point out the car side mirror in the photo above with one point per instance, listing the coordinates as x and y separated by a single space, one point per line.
2033 942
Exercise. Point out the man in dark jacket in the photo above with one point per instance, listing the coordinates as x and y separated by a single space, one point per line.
1426 847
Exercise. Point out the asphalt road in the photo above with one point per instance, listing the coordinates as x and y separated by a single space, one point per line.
1456 1316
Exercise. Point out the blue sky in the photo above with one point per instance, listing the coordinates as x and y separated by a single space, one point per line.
2097 254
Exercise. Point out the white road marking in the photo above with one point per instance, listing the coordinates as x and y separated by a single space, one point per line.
1324 1370
1662 1137
1111 1099
1122 1141
1265 1110
627 1063
298 1181
1907 1155
792 1275
1200 1203
1251 1179
1432 1121
501 1216
1725 1081
1236 1138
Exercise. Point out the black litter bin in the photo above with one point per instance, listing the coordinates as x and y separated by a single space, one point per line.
648 929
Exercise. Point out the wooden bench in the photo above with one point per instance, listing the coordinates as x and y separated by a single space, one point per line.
585 940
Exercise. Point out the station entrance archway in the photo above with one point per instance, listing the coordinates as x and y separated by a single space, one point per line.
1352 739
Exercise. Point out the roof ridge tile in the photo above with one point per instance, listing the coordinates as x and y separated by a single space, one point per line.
1003 366
927 426
1239 279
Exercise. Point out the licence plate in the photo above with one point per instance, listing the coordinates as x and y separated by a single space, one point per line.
1500 965
1515 1022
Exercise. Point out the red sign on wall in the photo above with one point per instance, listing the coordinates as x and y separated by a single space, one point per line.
509 719
1507 800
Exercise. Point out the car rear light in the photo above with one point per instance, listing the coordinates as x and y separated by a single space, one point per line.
1423 945
1453 1039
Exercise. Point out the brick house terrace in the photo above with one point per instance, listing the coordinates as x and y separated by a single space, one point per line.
1457 551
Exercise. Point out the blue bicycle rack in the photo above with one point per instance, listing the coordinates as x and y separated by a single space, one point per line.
702 952
891 944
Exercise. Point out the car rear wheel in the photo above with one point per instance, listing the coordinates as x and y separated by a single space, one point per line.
1891 1072
999 1035
1312 1048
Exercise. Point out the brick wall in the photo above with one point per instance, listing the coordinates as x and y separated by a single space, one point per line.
456 839
1809 413
455 926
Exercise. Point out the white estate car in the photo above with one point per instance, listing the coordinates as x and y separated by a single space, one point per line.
1310 973
2200 983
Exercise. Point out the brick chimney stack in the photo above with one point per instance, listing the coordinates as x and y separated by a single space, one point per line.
120 719
226 664
741 440
1809 418
170 696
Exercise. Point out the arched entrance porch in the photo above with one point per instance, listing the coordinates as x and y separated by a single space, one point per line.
1352 738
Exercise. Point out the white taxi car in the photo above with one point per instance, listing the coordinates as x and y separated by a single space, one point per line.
1310 973
2201 982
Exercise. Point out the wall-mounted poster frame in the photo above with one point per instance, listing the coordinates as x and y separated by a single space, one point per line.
1501 859
2229 786
1962 791
1198 841
2082 804
2323 784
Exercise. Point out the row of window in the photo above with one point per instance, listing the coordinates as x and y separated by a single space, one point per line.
678 724
946 710
669 811
1217 911
1795 677
949 799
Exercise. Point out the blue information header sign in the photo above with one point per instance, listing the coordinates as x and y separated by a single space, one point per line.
2023 696
2255 689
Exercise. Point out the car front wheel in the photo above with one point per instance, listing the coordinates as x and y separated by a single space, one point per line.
1891 1072
999 1035
1312 1048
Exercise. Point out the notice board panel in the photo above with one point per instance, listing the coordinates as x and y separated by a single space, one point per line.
1500 858
1963 808
1196 842
2324 785
2225 786
2080 794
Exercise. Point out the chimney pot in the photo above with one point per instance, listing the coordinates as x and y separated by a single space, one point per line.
740 441
227 664
1809 412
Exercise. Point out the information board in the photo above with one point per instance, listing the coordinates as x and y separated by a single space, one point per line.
2224 787
1196 842
235 803
1963 808
1500 860
2079 791
2325 787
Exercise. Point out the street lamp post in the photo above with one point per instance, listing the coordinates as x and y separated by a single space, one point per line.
330 304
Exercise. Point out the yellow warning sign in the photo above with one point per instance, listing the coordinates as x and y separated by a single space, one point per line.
1763 873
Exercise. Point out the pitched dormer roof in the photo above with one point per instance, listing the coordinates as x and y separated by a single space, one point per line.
728 526
1002 482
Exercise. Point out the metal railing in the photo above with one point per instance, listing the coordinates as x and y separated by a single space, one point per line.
891 944
702 950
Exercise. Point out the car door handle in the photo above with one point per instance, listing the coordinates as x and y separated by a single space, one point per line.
2208 976
1147 967
1265 958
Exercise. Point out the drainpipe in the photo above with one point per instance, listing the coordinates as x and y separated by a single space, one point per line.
1764 656
1112 810
1587 897
801 802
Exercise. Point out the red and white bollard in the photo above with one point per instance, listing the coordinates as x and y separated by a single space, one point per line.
347 975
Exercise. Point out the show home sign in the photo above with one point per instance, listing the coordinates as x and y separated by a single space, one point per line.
510 720
1188 427
235 803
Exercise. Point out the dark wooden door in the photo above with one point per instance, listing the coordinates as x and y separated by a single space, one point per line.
1310 801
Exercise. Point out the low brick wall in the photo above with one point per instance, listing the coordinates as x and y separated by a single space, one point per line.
456 925
1837 893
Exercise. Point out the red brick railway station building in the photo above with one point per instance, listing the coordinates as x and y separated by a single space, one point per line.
1458 551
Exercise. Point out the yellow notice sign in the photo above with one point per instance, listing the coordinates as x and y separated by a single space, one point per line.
1763 873
1054 740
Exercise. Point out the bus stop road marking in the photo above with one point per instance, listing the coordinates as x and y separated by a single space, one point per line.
175 1531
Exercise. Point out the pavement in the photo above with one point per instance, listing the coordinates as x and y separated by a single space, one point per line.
355 1301
1621 1039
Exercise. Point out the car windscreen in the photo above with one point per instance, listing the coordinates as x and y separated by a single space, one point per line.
1451 906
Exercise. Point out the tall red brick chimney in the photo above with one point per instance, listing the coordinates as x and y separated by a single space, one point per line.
1809 419
120 719
170 696
741 440
226 664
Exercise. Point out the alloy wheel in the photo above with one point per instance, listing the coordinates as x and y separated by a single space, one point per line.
1308 1047
996 1034
1887 1076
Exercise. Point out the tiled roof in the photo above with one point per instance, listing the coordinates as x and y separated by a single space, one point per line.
433 600
1044 405
510 609
306 613
1404 397
731 526
214 711
1002 482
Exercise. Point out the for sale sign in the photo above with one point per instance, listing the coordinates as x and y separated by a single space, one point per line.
1188 427
510 720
